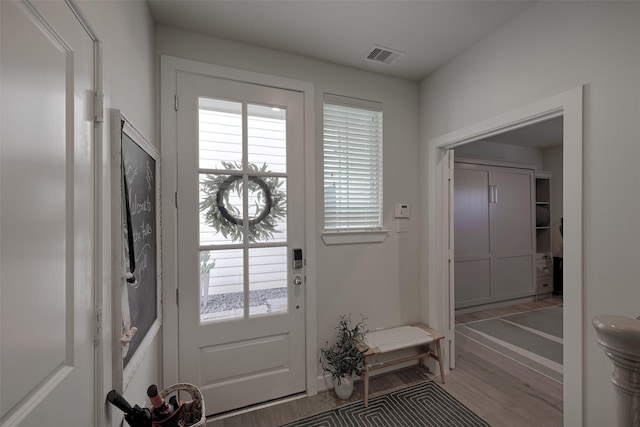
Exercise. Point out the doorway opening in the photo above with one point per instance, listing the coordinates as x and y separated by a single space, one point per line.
567 105
508 244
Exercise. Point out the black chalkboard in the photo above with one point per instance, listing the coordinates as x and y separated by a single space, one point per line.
139 239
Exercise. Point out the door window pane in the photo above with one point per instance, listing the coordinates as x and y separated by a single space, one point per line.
221 207
220 130
221 284
267 137
267 201
222 214
267 280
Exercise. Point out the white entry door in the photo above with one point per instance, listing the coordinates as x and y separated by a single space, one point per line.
47 218
240 241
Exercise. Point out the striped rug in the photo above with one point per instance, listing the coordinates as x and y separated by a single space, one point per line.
425 404
533 338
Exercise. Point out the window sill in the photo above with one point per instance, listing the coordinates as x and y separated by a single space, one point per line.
351 237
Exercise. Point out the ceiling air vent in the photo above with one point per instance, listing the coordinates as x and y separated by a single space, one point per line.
383 55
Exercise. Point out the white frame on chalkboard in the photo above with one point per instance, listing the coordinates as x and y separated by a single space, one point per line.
119 124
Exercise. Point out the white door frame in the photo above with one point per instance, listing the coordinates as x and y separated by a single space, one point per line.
567 104
169 66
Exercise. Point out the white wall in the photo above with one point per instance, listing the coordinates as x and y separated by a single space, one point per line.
127 34
549 48
379 281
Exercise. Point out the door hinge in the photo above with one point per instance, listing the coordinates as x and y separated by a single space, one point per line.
175 102
97 325
176 197
98 107
177 295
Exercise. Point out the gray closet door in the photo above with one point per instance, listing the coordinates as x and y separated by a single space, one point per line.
494 233
513 233
472 235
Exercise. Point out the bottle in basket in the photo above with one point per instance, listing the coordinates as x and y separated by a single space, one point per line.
164 414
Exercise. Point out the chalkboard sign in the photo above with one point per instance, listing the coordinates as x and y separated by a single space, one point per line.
136 249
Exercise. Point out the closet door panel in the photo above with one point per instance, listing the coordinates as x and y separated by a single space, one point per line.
512 277
513 222
471 210
472 235
473 282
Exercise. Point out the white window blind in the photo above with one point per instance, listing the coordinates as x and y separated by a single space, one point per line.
352 164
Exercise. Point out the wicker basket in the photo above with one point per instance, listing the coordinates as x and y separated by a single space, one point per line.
193 413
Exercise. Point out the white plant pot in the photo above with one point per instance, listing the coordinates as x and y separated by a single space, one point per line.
344 389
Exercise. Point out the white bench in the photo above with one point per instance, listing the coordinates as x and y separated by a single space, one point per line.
388 340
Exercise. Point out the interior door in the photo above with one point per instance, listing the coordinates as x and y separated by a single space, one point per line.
513 233
472 235
240 241
47 216
448 160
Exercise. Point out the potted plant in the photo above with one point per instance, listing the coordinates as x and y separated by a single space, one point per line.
345 357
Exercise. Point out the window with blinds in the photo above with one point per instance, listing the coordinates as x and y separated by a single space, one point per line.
352 164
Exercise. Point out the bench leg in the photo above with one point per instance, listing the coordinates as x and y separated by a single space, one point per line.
439 352
366 387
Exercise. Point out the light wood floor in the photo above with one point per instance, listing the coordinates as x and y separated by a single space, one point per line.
498 389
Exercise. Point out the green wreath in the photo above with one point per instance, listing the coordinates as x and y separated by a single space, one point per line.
270 204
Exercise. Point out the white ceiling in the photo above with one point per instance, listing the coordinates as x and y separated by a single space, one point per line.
429 32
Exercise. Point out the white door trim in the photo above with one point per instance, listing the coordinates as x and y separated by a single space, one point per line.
567 104
169 66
